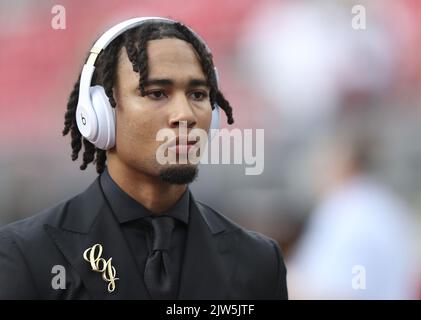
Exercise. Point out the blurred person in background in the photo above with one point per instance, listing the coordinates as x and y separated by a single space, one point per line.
312 67
359 242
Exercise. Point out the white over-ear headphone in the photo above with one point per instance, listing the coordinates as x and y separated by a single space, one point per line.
95 117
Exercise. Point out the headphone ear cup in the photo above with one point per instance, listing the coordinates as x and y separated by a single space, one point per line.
106 118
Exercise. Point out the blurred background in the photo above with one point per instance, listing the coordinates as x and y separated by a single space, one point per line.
341 110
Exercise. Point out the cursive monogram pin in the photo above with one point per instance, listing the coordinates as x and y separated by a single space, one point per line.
98 264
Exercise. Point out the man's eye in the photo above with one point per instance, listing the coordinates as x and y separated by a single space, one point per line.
156 95
198 95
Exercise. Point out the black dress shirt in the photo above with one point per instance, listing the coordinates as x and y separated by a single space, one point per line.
134 220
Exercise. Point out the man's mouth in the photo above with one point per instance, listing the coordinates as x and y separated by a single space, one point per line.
181 145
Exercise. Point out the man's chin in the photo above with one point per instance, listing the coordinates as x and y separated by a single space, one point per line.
179 173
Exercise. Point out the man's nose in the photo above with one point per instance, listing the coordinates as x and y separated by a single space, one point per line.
182 111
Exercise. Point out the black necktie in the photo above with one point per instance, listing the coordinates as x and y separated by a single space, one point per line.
158 278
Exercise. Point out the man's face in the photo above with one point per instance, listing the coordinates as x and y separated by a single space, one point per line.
175 93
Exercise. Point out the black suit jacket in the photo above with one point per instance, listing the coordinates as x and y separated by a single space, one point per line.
222 260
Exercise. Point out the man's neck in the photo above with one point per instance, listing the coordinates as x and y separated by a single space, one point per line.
154 194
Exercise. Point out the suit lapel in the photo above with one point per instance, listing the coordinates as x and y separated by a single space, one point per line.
98 225
206 272
207 264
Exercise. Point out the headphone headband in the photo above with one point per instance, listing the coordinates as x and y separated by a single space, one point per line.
115 31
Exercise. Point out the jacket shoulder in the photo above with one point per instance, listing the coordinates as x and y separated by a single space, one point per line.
55 215
25 248
218 221
258 255
29 228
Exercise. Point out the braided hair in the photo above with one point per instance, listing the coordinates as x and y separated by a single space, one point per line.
135 41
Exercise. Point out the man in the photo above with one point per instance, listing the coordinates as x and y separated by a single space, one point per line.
137 232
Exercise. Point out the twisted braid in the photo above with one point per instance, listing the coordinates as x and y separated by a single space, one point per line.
131 49
101 157
108 69
88 155
70 121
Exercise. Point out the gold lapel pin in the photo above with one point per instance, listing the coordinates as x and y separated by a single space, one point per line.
98 264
